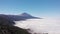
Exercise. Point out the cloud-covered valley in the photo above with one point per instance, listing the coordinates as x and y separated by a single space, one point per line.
49 25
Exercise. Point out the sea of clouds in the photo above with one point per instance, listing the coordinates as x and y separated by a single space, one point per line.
45 25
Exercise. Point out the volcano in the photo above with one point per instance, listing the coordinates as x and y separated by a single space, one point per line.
22 16
28 16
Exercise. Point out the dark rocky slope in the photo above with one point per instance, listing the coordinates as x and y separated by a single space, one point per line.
7 27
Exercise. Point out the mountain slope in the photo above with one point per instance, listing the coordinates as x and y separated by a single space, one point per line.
23 16
5 29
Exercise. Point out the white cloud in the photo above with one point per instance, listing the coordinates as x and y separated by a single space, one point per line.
50 25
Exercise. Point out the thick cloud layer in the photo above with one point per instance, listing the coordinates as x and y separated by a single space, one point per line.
49 25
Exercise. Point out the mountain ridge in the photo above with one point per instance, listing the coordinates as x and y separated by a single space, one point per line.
22 16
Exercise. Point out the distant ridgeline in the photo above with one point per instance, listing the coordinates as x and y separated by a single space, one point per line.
6 26
23 16
7 23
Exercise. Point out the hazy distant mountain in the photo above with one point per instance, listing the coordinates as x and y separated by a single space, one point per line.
22 16
26 15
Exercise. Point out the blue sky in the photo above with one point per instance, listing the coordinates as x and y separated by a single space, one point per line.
40 8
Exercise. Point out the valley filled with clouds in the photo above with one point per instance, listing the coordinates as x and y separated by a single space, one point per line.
46 25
